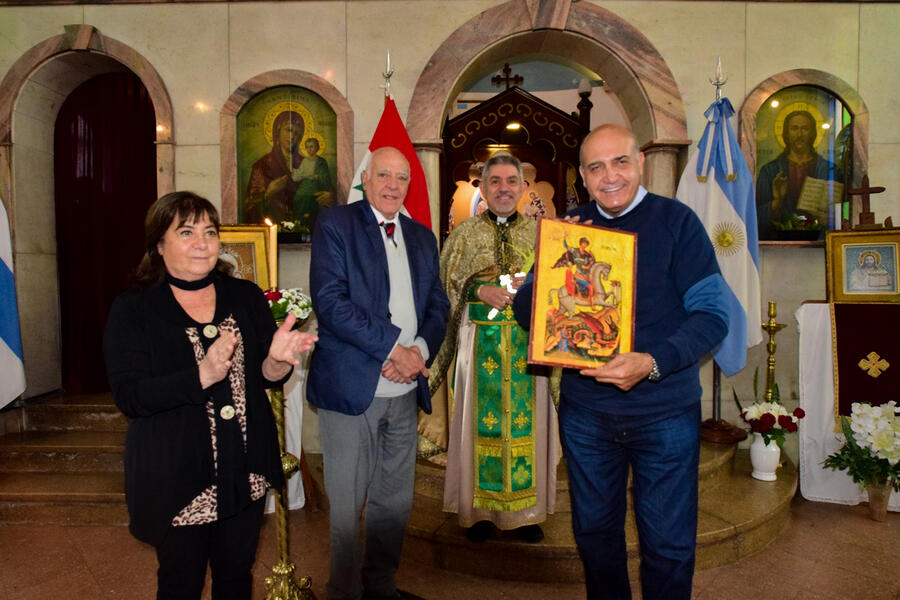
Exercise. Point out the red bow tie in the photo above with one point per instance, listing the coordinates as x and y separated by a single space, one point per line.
389 230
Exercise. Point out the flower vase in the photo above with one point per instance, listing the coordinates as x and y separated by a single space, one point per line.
764 458
297 324
879 496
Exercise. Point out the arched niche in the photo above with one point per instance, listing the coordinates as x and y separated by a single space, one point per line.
59 63
835 85
264 81
31 94
573 33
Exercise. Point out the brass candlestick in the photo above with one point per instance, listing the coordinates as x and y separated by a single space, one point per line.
283 584
772 328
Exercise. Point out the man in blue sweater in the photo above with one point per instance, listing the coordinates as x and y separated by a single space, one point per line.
641 409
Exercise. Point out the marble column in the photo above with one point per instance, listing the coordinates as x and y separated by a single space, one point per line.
430 159
663 163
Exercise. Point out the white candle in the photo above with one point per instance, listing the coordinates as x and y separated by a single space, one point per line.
272 254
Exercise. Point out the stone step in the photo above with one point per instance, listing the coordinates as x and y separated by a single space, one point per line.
79 412
716 465
89 498
62 451
430 483
737 517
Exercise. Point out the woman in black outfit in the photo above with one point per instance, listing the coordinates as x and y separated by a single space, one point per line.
189 351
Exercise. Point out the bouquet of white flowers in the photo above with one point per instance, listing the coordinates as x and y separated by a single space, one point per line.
871 452
290 300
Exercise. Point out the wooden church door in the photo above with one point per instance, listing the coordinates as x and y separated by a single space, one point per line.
105 179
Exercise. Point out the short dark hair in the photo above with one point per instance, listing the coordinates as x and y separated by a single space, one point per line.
501 158
184 206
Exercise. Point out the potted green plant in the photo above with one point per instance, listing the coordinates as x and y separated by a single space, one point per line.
870 453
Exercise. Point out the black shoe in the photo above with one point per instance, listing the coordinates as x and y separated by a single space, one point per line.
530 533
480 531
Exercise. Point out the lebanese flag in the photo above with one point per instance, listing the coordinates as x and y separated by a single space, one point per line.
392 132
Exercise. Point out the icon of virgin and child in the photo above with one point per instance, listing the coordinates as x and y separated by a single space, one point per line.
292 182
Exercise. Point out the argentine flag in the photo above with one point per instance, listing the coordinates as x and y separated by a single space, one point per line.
12 370
717 184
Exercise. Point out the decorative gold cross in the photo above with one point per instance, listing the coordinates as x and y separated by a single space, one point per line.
874 364
521 475
490 420
520 364
489 365
521 420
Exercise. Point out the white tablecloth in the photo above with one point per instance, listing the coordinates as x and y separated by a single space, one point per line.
293 425
817 431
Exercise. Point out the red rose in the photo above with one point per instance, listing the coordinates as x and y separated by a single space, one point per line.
787 423
764 423
273 295
799 413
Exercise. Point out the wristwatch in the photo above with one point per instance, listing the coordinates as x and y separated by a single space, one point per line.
654 371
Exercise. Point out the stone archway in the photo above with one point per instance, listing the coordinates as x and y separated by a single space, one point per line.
33 90
264 81
580 33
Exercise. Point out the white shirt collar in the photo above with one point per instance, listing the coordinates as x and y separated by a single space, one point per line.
381 218
637 200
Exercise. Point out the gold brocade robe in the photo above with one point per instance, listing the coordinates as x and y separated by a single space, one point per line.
474 251
500 388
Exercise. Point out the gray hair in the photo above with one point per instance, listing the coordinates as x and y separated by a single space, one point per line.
501 158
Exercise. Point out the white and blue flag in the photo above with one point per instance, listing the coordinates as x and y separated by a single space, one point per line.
12 369
717 185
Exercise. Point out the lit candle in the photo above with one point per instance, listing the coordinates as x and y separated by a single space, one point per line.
272 253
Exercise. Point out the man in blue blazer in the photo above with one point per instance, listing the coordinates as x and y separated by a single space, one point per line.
382 314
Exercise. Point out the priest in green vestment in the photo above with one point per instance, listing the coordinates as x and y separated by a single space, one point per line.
503 442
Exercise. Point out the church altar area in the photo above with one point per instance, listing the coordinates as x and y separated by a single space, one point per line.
818 438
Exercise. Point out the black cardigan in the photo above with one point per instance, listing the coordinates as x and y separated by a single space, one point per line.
155 382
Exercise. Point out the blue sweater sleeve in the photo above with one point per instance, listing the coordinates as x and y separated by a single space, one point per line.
703 329
703 295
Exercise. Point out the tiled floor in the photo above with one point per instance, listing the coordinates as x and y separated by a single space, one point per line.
826 552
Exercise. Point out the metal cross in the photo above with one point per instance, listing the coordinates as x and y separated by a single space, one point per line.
515 79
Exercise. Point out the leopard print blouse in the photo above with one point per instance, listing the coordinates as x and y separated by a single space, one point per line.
202 509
